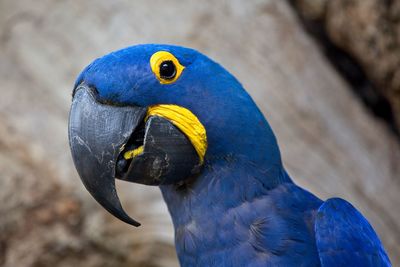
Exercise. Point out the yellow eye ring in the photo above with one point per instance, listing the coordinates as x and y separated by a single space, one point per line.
166 67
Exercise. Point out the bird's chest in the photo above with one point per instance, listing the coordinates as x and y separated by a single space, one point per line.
253 233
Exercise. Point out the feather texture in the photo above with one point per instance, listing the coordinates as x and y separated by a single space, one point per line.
345 238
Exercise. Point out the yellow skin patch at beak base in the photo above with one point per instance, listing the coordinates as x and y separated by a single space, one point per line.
185 121
133 153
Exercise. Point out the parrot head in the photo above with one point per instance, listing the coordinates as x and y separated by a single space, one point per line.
156 115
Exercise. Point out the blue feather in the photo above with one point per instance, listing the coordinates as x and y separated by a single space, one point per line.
345 238
243 209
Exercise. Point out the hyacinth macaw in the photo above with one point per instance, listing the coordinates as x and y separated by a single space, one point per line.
169 116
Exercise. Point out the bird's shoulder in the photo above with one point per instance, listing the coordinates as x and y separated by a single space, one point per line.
345 238
282 234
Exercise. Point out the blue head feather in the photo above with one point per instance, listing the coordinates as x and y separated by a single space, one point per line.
234 124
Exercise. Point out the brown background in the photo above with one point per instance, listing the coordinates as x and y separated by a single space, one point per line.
331 144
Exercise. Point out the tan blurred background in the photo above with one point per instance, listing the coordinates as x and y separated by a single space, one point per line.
331 142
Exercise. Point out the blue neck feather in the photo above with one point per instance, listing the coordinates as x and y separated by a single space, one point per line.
233 214
231 207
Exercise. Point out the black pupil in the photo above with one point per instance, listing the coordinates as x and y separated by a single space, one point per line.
167 70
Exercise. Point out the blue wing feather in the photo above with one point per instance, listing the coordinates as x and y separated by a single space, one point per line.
345 238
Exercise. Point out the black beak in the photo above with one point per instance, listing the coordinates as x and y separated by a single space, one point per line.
100 134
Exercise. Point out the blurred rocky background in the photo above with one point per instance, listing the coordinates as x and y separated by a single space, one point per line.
324 72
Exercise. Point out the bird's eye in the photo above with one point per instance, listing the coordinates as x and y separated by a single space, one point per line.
167 70
166 67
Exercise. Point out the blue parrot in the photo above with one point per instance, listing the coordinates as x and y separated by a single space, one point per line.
169 116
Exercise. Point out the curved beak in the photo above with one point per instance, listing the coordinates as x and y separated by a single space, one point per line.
109 142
